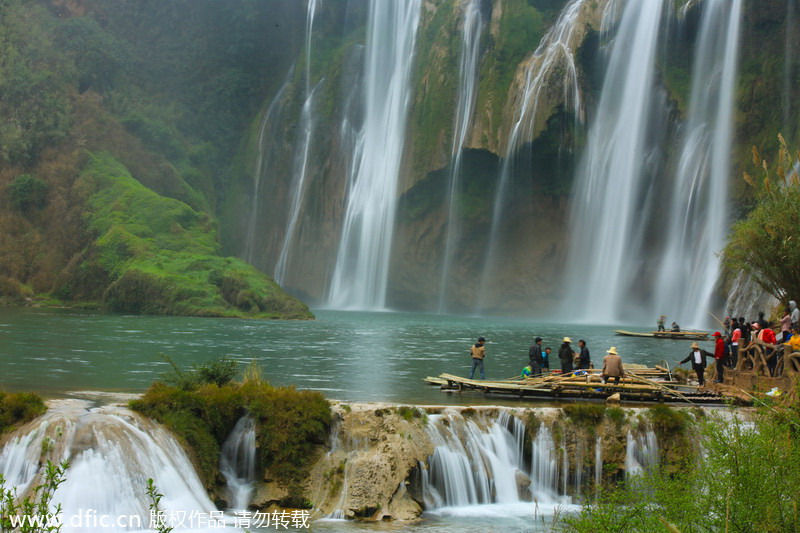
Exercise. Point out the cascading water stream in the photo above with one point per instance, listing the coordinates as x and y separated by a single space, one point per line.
699 210
112 453
605 242
237 462
301 159
299 185
473 464
544 466
267 132
467 94
641 452
553 57
362 266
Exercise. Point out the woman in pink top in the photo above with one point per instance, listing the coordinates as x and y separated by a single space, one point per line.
786 325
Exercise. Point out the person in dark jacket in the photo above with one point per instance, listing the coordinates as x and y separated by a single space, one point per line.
698 358
745 327
585 361
566 354
535 357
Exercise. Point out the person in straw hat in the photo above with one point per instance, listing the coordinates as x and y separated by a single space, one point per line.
698 358
566 355
612 366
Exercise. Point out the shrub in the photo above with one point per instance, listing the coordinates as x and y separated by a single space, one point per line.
589 414
19 408
766 244
28 193
219 371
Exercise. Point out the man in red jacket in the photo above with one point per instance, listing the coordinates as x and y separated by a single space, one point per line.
719 355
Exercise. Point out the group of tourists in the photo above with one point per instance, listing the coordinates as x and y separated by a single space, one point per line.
739 332
539 359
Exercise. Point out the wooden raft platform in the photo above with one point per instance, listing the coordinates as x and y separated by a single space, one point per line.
686 335
641 385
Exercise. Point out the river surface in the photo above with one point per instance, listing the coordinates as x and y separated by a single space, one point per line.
351 356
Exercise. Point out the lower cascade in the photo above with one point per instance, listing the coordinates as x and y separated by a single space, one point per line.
237 462
112 452
382 462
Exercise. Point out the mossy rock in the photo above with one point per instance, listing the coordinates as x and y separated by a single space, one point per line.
162 257
291 426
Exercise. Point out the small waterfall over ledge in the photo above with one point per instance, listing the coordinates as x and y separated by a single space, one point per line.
238 462
112 452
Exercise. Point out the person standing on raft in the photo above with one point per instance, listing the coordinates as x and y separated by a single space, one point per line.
535 357
478 352
698 358
566 355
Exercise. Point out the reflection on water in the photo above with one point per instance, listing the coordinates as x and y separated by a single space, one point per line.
347 355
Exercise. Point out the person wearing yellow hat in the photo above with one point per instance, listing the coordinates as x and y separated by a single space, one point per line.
566 355
698 358
612 366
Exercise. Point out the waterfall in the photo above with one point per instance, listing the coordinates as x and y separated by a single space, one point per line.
112 452
19 459
467 93
698 225
641 452
544 466
298 189
362 265
606 217
237 462
552 62
598 462
473 464
301 160
267 132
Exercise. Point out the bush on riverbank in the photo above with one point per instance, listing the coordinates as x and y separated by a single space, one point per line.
18 408
291 425
746 481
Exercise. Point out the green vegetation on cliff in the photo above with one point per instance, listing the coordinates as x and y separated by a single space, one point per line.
157 94
766 243
161 256
291 425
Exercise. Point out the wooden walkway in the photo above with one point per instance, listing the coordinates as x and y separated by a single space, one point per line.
640 385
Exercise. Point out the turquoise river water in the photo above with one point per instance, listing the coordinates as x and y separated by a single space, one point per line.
350 356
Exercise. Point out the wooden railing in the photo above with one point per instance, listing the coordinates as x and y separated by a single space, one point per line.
754 358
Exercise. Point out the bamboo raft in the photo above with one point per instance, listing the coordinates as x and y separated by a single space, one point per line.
687 335
639 385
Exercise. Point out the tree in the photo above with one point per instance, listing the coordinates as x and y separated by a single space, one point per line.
28 192
766 243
